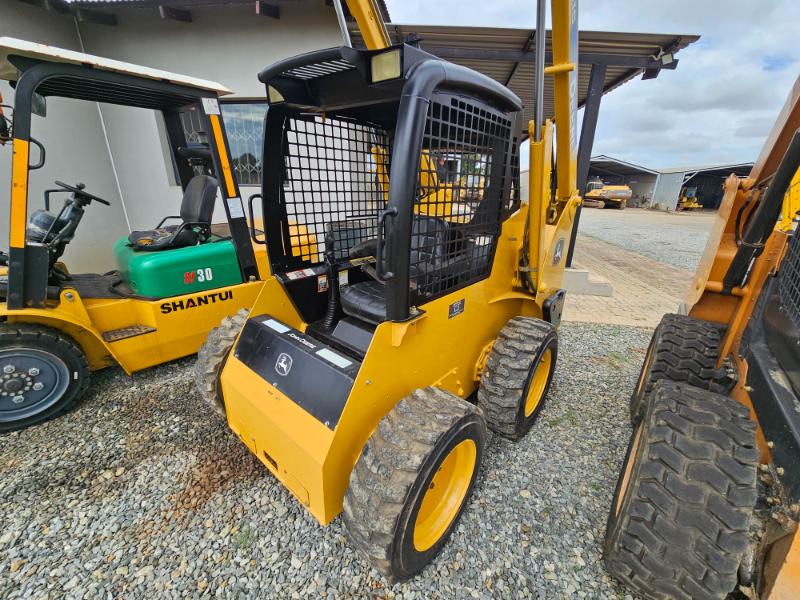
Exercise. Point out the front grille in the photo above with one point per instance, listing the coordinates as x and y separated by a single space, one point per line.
790 281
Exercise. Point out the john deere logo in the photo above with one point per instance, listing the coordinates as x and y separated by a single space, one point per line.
558 252
283 365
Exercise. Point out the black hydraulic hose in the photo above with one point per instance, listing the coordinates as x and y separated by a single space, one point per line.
763 219
333 282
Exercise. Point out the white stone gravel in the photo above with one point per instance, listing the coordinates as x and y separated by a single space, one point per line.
140 492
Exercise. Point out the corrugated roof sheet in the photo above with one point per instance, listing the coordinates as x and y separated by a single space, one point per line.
499 43
185 4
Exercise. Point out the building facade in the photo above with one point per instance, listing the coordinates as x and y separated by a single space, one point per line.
117 151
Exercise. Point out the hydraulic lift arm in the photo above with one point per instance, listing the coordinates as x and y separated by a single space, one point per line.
551 211
370 23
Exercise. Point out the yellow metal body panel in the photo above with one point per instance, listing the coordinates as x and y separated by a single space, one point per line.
227 174
19 193
791 206
785 583
181 322
302 452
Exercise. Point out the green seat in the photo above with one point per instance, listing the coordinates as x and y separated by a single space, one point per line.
178 271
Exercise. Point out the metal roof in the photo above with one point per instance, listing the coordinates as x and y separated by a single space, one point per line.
706 168
15 47
609 164
506 55
183 4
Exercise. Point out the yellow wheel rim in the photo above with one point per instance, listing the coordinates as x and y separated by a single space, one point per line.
626 475
538 383
445 495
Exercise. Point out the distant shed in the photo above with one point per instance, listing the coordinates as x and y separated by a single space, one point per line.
708 180
614 171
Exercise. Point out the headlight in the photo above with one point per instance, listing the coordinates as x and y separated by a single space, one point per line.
275 96
386 65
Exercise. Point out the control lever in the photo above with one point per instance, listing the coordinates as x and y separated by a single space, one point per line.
333 281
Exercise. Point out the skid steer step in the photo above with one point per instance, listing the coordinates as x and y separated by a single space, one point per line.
124 333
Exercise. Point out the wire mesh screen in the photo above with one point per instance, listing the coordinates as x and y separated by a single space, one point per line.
464 189
335 180
790 281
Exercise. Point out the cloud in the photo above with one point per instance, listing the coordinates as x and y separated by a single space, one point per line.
716 107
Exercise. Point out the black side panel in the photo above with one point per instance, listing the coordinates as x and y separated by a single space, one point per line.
778 409
312 374
37 268
772 354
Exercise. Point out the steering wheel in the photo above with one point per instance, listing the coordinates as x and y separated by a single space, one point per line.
78 190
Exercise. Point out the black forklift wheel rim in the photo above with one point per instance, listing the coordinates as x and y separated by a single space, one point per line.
31 381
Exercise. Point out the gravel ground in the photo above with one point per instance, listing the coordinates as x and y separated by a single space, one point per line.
141 492
677 239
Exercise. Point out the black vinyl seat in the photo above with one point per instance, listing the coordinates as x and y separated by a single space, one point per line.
365 301
197 208
430 260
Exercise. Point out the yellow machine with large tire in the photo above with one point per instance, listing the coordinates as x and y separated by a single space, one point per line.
369 368
172 283
707 504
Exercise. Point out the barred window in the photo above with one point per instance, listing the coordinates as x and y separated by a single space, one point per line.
244 126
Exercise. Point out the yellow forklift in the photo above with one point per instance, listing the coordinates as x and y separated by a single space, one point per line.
369 367
172 283
707 504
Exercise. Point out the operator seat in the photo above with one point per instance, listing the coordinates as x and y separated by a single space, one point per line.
433 251
197 208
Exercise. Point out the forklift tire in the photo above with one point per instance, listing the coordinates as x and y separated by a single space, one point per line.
681 349
517 375
413 480
680 516
42 373
211 357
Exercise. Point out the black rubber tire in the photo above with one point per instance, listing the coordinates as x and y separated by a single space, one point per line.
682 526
63 347
395 470
211 357
682 349
507 375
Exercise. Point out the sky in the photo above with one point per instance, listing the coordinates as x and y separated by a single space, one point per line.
717 107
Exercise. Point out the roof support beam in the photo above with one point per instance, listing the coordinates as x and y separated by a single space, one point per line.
595 58
267 10
591 110
175 14
95 17
527 47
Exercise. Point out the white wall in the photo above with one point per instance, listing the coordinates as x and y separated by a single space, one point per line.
667 191
228 44
75 146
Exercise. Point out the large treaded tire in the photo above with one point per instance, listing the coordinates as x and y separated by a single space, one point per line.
395 470
509 370
55 343
678 525
211 357
682 349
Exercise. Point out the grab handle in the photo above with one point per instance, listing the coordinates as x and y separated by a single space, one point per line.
382 274
253 236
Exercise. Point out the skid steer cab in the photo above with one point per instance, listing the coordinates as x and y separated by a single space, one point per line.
171 284
375 358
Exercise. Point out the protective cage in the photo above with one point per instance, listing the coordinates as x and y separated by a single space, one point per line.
437 147
332 177
467 183
790 282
